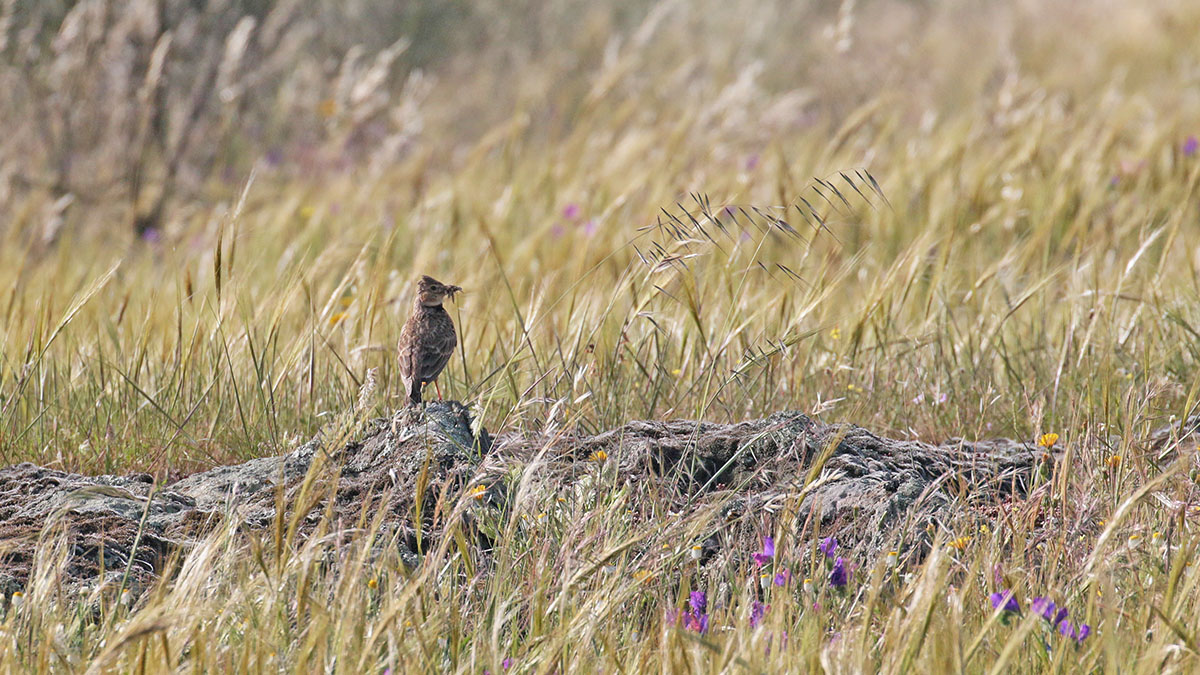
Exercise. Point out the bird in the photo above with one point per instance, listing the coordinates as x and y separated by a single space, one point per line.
427 340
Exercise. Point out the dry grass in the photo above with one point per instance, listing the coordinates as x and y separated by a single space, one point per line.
1033 268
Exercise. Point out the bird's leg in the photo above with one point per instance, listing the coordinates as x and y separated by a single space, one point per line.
437 389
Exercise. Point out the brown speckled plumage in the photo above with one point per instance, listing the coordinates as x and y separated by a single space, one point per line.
427 340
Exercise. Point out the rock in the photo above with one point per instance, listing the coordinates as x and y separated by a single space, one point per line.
859 486
106 512
876 492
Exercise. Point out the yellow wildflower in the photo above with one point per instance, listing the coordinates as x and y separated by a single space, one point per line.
598 456
1048 440
959 542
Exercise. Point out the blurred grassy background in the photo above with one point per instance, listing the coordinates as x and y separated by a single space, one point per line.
212 214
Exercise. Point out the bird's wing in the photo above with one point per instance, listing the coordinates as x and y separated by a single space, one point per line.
406 353
435 353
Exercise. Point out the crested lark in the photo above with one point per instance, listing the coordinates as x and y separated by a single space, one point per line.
427 340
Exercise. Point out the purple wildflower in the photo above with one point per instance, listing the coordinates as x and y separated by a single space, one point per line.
751 161
828 546
696 623
838 577
1077 633
767 554
1004 600
151 235
698 619
507 662
571 211
1048 610
782 577
589 228
1190 146
757 609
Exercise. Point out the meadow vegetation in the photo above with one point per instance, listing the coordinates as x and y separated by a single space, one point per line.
211 221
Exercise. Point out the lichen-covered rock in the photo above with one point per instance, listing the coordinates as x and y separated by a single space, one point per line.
872 491
106 513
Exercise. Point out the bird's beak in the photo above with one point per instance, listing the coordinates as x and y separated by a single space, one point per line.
451 290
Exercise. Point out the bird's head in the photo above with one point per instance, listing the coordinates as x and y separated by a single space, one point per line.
431 292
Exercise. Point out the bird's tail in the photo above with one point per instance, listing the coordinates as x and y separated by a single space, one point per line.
414 392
